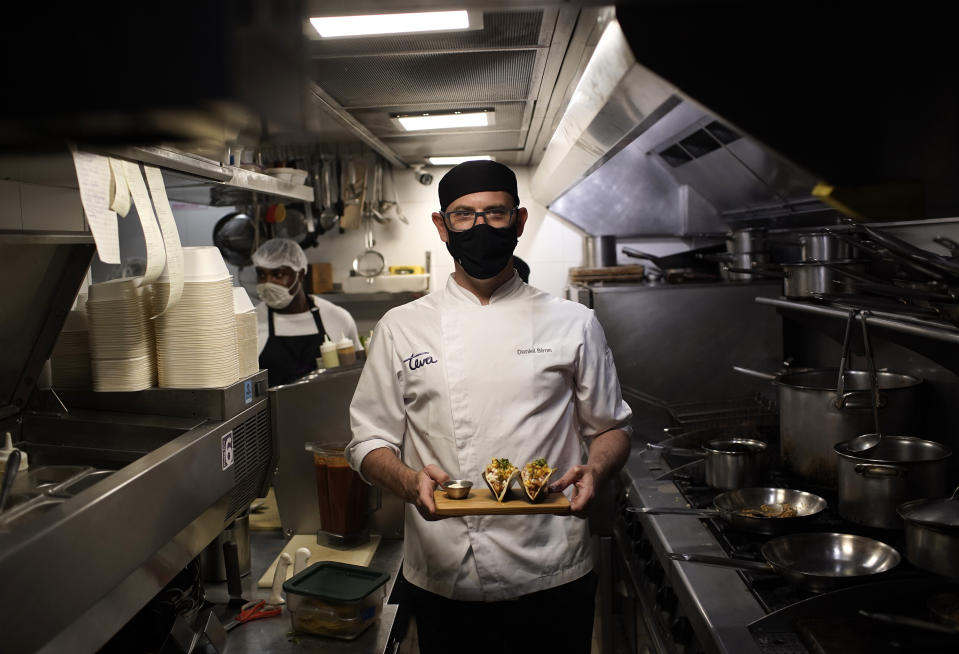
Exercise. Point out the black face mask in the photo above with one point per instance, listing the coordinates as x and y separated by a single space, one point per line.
483 251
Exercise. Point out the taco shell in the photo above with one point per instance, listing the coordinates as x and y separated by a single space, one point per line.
500 474
536 486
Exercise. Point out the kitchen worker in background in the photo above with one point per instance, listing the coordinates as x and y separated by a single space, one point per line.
291 325
487 368
522 269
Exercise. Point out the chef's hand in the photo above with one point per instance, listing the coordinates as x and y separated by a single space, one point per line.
421 495
583 480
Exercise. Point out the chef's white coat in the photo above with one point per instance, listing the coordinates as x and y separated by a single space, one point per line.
452 382
337 322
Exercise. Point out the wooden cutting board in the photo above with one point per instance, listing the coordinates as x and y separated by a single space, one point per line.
481 502
360 555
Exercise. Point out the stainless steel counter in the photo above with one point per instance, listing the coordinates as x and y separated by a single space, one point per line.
274 634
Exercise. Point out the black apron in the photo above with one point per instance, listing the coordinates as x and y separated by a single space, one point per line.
287 358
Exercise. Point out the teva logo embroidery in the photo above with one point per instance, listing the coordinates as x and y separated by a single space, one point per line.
226 450
534 350
417 361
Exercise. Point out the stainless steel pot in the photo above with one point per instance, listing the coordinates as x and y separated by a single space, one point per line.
807 278
823 246
743 260
743 241
932 534
873 482
813 417
734 463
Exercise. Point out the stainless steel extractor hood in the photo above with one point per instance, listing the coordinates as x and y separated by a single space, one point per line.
696 116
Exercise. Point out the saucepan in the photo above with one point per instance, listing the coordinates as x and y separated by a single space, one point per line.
932 534
759 510
730 462
818 561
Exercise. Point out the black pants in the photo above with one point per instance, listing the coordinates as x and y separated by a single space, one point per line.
558 619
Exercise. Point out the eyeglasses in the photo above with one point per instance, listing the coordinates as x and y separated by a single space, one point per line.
460 221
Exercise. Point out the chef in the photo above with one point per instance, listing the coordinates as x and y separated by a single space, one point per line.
291 325
490 367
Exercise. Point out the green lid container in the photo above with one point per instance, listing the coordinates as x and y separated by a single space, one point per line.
335 582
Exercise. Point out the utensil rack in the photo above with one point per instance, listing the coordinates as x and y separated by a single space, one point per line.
903 324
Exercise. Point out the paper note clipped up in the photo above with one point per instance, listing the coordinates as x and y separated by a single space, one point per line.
171 238
93 176
156 250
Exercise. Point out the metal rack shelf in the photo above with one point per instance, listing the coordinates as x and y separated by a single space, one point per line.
904 324
207 171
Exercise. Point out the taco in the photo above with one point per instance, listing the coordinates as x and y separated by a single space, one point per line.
535 476
499 476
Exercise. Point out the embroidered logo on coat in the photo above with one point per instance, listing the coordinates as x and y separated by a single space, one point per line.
534 350
417 361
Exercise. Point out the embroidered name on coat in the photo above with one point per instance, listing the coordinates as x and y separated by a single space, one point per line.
417 361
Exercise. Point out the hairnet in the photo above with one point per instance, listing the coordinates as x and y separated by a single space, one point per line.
280 252
474 177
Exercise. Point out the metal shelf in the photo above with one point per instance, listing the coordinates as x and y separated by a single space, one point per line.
212 172
903 324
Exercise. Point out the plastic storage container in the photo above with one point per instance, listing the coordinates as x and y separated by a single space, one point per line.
335 599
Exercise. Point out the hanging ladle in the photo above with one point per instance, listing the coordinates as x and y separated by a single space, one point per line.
869 441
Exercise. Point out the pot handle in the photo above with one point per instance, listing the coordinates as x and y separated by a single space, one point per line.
847 401
755 373
678 451
669 510
879 471
723 562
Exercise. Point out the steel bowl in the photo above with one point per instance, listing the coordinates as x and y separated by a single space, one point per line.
457 489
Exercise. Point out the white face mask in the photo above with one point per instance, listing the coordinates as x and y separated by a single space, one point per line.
276 296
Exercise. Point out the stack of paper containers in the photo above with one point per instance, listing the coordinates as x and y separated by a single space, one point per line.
70 360
122 355
196 342
245 333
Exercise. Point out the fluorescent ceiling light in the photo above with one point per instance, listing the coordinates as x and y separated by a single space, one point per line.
448 120
429 21
452 161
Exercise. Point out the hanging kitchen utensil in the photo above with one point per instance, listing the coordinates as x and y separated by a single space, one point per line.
841 382
293 226
235 236
868 441
329 217
353 188
392 208
816 561
376 198
369 263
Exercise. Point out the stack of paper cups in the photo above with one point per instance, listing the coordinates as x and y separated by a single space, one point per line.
245 333
70 360
122 355
196 338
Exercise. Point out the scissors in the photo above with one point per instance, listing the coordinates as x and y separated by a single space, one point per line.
253 611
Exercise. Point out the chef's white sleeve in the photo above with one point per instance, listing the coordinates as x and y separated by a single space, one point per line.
377 411
599 400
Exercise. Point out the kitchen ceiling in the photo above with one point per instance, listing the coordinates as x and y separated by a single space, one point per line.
523 64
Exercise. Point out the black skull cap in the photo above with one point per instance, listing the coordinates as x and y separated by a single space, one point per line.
475 177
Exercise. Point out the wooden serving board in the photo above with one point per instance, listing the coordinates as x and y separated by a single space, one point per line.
481 502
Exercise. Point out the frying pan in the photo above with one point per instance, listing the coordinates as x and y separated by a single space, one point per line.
731 504
818 561
687 259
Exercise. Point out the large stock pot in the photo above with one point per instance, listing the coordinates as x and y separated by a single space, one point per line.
813 417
